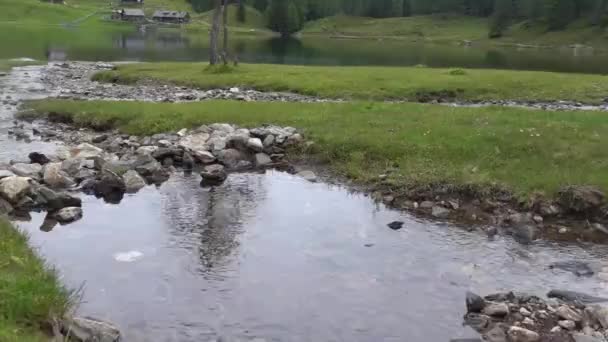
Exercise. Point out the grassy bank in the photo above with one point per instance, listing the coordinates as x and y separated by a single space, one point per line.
455 29
7 64
375 83
523 150
30 294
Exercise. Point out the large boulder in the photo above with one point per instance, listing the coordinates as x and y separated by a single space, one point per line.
53 200
195 142
5 207
15 188
86 329
55 177
231 158
213 174
68 215
133 181
110 185
27 170
204 157
581 199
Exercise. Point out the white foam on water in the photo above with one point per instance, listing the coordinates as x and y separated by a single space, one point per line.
130 256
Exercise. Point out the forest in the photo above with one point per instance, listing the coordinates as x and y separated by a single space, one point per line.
289 16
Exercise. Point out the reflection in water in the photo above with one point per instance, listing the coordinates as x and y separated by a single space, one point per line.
272 256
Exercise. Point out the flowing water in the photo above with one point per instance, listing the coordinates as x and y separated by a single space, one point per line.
272 257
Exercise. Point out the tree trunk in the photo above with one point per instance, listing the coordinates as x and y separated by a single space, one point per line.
225 23
215 33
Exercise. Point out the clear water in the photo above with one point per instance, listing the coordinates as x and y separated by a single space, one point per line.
152 45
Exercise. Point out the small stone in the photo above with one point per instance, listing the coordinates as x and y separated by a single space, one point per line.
262 159
567 324
38 158
145 150
563 230
68 215
426 205
556 329
396 225
474 302
525 312
86 151
164 143
268 141
99 139
518 334
567 313
528 321
205 157
182 132
496 309
538 219
295 139
13 189
440 212
307 175
255 144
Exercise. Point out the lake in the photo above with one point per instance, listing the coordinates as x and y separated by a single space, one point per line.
120 44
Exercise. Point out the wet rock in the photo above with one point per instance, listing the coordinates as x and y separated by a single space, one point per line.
474 302
86 329
27 170
68 215
204 157
598 314
519 334
195 142
268 141
53 200
578 337
231 157
5 207
6 173
38 158
133 181
440 212
581 199
255 144
213 174
109 185
396 225
578 268
496 309
86 151
572 296
307 175
13 189
187 161
477 321
496 334
55 177
99 138
262 160
49 223
567 324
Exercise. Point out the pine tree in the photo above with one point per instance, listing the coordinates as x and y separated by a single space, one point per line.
501 17
241 14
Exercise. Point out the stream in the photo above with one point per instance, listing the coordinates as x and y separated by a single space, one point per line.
273 257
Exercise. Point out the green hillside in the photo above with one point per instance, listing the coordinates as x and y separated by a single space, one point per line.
253 18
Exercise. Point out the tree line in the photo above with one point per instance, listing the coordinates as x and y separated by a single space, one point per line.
289 16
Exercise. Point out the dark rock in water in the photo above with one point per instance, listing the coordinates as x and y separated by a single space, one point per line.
474 302
581 199
524 233
187 161
213 175
48 224
396 225
38 158
579 268
109 185
68 215
53 200
571 296
167 152
477 321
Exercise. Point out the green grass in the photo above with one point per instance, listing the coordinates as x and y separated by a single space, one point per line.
30 293
375 83
522 150
7 64
454 28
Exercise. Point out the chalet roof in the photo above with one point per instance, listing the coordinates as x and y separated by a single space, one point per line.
170 14
133 12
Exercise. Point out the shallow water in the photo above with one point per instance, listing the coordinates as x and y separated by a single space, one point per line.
273 257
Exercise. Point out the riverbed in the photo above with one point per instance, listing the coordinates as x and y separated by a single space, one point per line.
273 257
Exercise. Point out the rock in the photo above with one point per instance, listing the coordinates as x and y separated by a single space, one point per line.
268 141
204 157
495 334
13 189
581 199
572 296
524 233
146 150
38 158
167 162
519 334
133 181
238 140
27 170
578 337
396 225
600 228
182 132
496 309
91 330
213 174
168 152
556 329
578 268
426 205
5 207
538 219
599 314
84 174
548 209
68 215
53 200
262 160
195 142
440 212
217 143
567 324
55 177
567 313
307 175
474 302
528 321
222 127
99 139
164 143
294 139
109 184
85 151
477 321
525 312
6 173
563 230
255 144
231 157
187 161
